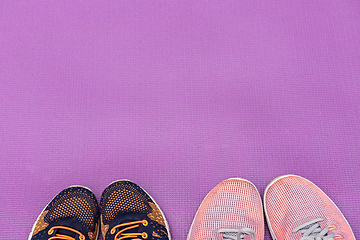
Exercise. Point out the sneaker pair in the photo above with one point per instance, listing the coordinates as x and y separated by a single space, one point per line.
295 208
126 212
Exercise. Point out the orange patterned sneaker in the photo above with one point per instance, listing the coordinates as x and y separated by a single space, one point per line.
128 212
73 214
295 208
231 211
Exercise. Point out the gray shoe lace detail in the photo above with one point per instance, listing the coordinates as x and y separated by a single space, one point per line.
236 234
311 230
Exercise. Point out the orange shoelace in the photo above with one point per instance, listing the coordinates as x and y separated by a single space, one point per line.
64 237
336 236
128 226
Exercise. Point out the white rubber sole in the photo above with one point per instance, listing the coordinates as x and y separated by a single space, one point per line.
33 227
188 236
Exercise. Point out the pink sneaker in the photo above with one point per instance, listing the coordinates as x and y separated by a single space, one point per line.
232 210
295 208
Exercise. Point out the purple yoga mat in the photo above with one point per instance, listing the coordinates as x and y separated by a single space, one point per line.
176 96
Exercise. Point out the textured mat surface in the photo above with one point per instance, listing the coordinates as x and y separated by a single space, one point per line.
176 96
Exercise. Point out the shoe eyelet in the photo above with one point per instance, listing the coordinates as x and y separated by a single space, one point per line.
144 235
145 223
50 231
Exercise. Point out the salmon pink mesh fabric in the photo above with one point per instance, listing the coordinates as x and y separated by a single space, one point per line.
291 201
233 203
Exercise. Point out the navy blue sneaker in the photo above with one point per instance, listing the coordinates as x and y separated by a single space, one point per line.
73 214
128 212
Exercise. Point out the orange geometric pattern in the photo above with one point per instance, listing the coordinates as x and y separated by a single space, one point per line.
93 235
125 198
72 210
104 227
41 224
156 214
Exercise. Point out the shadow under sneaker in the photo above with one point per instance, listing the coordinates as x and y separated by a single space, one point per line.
128 212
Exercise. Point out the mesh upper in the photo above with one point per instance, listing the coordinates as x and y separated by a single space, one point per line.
234 203
74 203
123 197
292 200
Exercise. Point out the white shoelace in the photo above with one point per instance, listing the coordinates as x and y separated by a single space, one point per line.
311 230
236 234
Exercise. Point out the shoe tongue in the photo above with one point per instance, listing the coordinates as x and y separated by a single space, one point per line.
229 235
132 230
66 232
313 233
